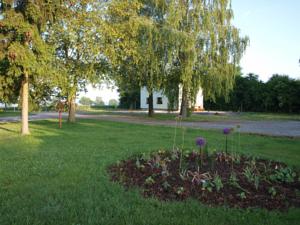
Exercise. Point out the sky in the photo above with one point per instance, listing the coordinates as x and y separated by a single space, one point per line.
273 27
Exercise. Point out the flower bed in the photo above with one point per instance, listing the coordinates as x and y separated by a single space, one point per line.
216 179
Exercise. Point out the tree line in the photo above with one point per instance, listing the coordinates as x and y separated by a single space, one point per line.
54 48
279 94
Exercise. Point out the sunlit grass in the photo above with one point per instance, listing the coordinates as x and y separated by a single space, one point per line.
200 116
58 176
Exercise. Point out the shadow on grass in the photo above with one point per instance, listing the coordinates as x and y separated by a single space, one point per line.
58 176
7 129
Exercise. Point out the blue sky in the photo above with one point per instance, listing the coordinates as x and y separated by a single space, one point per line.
273 27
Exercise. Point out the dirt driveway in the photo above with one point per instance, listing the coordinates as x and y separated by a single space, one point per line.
272 128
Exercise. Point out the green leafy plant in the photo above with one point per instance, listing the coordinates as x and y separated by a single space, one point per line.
166 185
218 182
233 180
272 191
286 175
236 158
207 185
149 180
248 174
256 181
252 177
242 195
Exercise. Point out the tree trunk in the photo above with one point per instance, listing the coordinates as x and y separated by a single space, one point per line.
150 105
184 103
72 109
24 97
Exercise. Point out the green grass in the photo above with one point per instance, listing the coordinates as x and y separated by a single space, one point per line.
9 113
59 176
201 117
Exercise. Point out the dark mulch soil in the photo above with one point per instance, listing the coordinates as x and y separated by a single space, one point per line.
245 181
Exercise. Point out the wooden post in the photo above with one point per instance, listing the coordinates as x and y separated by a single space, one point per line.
59 118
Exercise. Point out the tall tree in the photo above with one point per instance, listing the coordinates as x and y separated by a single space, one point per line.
190 42
208 49
76 38
23 52
137 36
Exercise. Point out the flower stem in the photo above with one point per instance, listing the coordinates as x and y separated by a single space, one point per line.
226 145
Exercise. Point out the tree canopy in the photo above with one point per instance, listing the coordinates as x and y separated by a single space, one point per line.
279 94
190 43
60 46
25 58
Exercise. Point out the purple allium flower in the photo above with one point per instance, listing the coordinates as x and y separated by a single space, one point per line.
200 141
226 131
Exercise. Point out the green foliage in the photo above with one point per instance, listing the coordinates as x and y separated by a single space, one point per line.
279 94
85 101
24 50
99 101
78 47
208 185
284 175
272 191
113 102
150 181
233 180
243 195
129 97
167 43
218 182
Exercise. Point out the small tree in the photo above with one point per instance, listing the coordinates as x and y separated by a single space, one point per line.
85 101
99 101
77 42
113 102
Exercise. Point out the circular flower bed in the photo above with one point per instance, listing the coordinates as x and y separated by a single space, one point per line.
216 179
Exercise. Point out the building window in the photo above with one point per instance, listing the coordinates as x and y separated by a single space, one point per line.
159 101
147 101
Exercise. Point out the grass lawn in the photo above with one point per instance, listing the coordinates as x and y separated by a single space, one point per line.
201 117
59 176
9 113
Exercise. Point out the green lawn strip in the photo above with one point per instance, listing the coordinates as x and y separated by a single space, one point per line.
13 113
58 176
9 113
201 117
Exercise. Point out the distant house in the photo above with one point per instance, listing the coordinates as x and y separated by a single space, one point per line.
160 101
2 105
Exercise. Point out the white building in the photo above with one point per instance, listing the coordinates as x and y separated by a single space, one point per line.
160 101
2 105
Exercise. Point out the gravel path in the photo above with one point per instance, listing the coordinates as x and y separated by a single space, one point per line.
272 128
